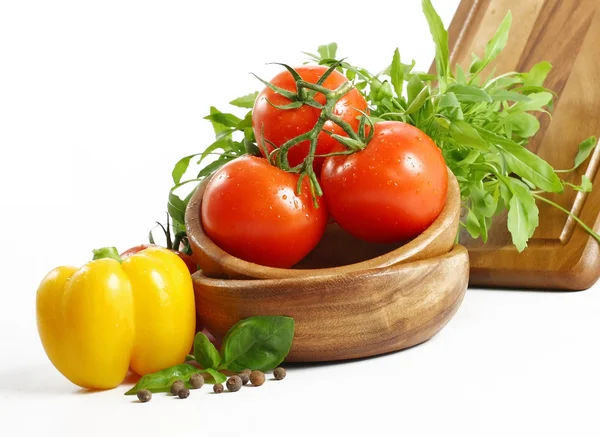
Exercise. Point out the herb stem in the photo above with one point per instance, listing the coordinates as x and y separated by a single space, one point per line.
569 213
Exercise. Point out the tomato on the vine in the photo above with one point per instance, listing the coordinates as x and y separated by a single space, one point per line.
390 191
281 125
251 210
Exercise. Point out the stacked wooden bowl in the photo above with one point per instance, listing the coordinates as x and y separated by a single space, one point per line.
349 298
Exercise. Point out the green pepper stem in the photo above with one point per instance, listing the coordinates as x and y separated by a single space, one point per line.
107 252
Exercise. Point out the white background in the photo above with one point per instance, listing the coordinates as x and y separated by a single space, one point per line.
99 99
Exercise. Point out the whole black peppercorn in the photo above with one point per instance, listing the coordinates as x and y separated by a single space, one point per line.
197 380
177 385
144 395
218 388
257 378
234 383
245 377
279 373
183 393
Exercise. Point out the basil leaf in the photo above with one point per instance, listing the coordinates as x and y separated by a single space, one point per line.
585 149
246 101
205 352
259 343
217 376
397 73
440 38
163 379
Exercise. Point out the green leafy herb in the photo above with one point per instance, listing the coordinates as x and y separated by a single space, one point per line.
163 379
217 376
482 125
205 353
246 101
258 343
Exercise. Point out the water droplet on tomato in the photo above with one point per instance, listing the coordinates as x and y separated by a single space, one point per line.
284 197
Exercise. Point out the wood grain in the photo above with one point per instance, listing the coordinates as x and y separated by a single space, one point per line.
338 253
338 317
566 33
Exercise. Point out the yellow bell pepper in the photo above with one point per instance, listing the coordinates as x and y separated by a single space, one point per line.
112 315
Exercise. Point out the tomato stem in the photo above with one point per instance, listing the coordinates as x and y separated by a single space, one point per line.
354 141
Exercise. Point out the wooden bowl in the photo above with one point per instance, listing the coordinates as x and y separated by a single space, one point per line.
356 314
338 253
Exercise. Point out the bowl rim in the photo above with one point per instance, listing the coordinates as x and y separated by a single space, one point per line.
405 253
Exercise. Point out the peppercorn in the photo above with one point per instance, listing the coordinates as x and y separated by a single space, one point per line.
144 395
183 393
279 373
245 377
248 371
257 378
177 385
197 380
234 383
218 388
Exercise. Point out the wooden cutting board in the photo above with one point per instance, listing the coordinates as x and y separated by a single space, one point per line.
566 33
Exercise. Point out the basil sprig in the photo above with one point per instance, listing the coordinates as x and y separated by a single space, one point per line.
257 343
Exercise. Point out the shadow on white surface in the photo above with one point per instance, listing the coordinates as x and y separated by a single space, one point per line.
43 380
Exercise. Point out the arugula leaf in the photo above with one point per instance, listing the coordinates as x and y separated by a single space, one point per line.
328 51
536 102
468 93
176 207
397 73
464 133
525 163
537 75
584 151
522 213
246 101
498 41
180 168
418 102
440 38
223 119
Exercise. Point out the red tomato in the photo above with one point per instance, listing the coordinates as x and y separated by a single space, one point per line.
390 191
251 210
187 259
281 125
